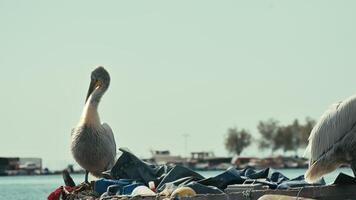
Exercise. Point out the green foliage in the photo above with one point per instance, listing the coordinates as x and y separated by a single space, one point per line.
306 130
236 141
290 137
268 131
287 138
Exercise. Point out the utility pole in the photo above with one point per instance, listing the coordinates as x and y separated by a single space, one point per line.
185 144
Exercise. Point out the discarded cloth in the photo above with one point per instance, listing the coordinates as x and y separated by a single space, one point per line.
128 166
344 179
122 186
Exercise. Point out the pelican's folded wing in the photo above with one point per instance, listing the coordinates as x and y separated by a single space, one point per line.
332 127
110 133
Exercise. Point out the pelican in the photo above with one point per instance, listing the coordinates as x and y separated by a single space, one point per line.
332 141
93 145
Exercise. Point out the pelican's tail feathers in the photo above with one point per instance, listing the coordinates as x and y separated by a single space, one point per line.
320 168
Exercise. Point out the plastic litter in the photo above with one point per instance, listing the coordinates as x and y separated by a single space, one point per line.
128 189
142 191
152 186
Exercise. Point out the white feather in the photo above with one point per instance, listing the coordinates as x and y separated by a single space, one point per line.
333 135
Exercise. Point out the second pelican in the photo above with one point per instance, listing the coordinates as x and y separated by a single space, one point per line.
332 141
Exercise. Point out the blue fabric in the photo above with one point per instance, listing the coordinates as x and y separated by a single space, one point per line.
102 185
128 166
122 189
297 182
272 178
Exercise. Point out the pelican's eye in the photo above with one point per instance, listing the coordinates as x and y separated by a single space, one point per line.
98 84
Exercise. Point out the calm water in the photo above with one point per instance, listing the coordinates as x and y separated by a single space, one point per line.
38 187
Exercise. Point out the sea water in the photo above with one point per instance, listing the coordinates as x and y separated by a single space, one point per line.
38 187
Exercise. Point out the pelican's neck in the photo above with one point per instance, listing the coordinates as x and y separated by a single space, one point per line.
90 115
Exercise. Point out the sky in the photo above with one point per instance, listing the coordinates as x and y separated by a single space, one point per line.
177 67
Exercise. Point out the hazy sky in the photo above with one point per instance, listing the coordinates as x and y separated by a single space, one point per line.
177 67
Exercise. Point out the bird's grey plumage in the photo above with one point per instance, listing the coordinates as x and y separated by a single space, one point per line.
332 141
93 145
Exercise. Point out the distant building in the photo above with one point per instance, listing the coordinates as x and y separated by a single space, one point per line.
16 166
7 164
31 165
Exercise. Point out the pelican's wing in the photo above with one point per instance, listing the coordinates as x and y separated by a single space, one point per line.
110 134
72 131
332 127
75 131
109 131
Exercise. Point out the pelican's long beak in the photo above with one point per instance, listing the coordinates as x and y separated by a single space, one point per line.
92 85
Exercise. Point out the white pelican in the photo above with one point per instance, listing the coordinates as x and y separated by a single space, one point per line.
93 144
332 141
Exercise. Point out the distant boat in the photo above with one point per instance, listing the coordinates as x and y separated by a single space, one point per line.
165 157
198 161
277 162
204 160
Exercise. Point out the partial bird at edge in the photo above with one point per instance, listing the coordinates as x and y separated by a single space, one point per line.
332 141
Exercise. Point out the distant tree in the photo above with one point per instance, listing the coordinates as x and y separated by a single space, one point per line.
287 135
293 136
268 130
236 141
306 130
301 133
296 130
279 139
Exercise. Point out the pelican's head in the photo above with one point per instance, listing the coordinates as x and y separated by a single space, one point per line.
100 80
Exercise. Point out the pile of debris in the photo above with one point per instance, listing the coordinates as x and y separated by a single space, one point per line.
132 178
